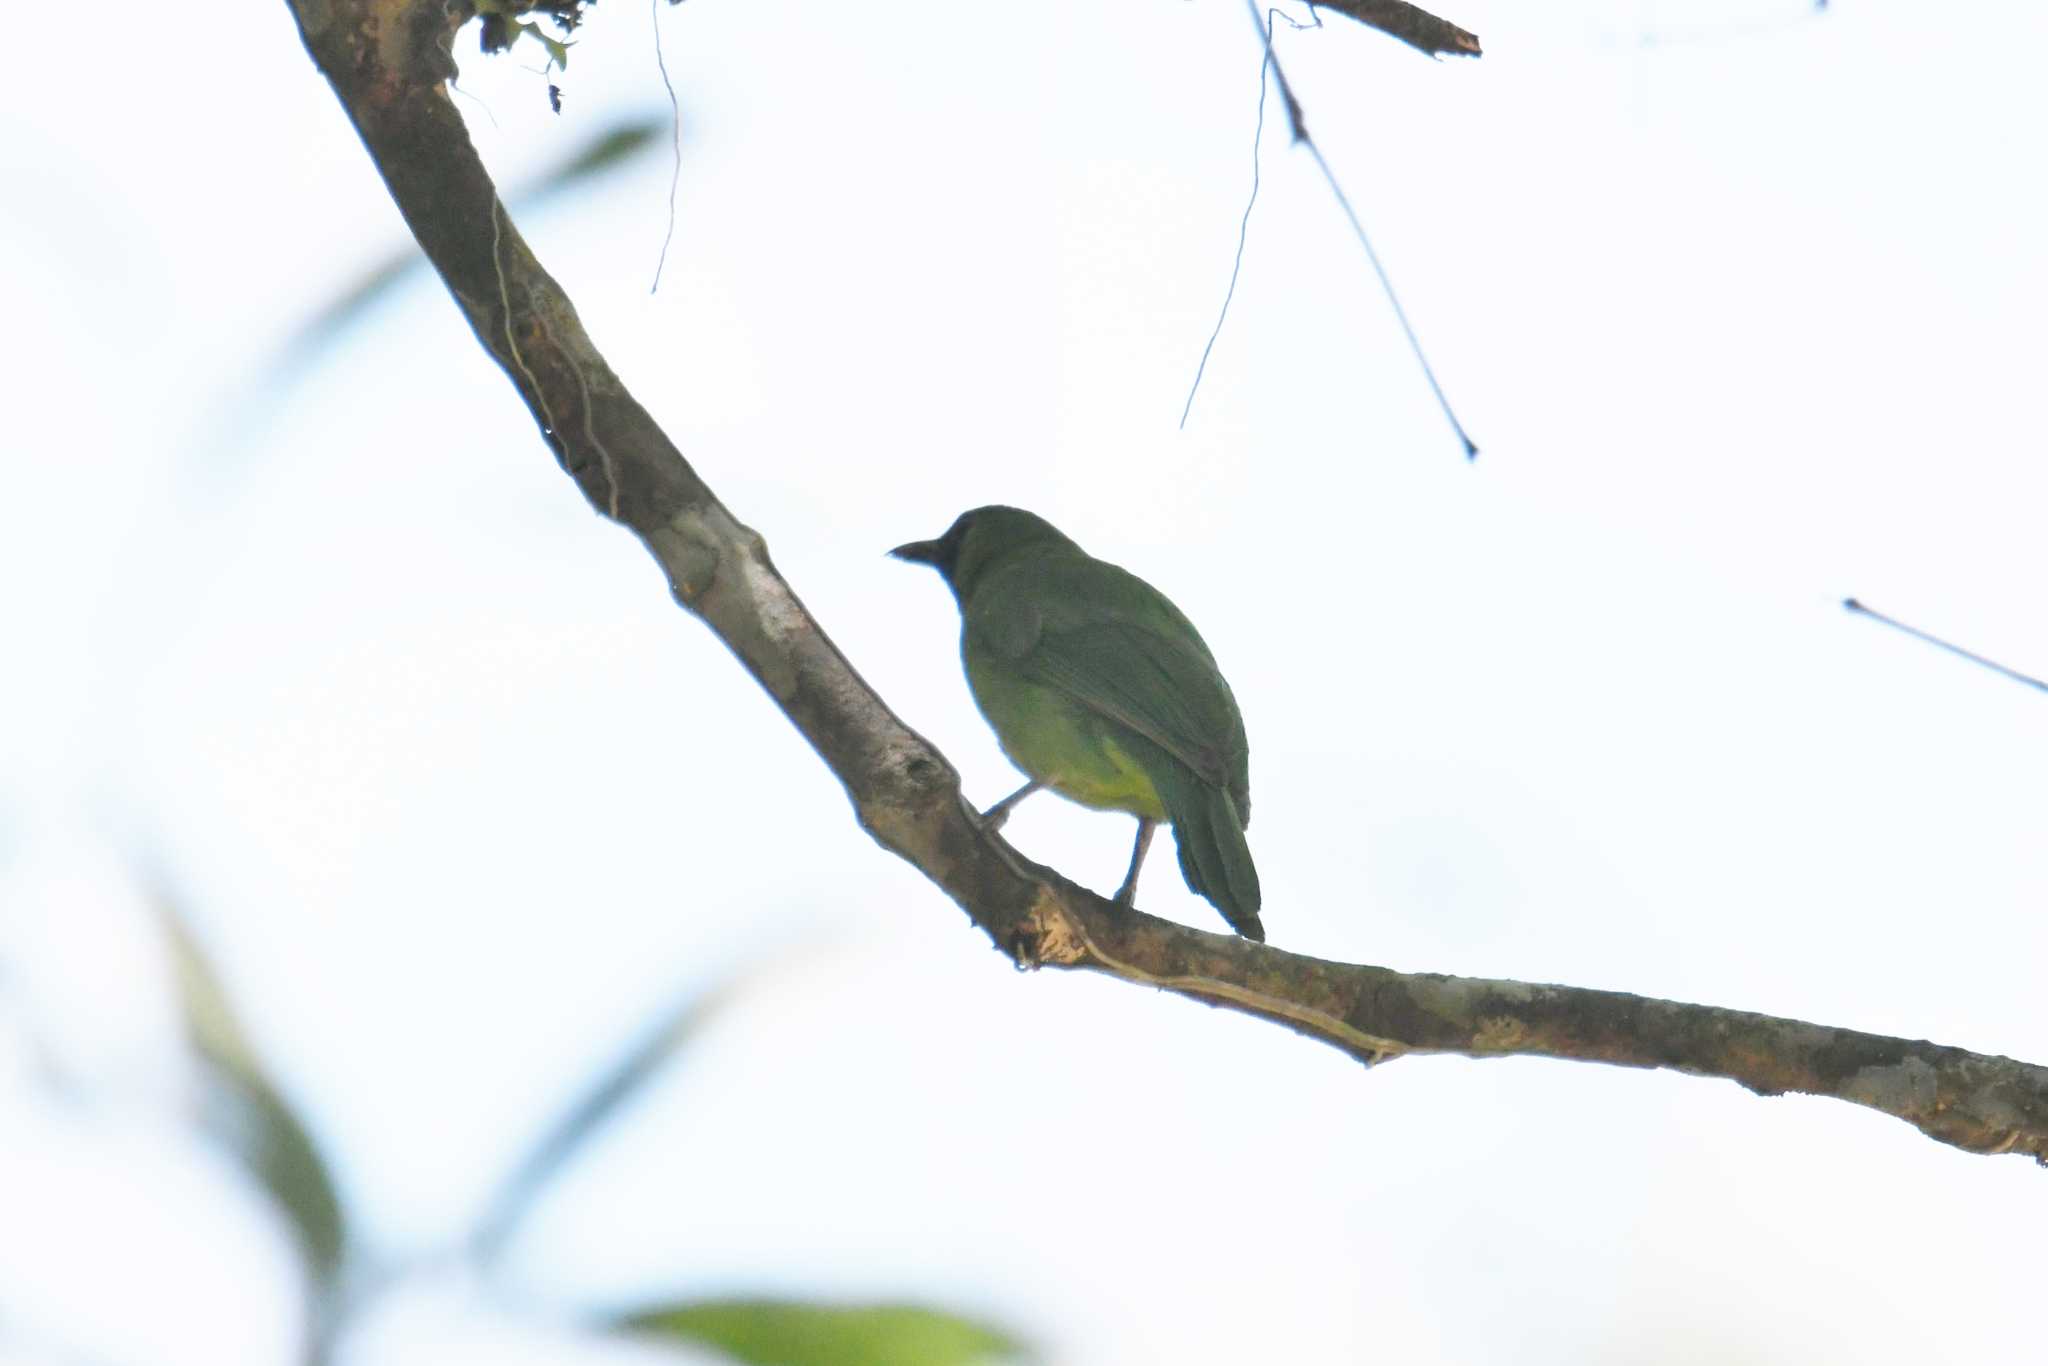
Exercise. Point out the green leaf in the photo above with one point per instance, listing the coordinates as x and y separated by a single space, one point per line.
785 1333
558 51
583 1116
609 148
265 1131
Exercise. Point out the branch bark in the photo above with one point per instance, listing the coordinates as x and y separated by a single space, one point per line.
1416 27
388 60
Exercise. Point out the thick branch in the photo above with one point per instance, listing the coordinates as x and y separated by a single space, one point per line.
387 60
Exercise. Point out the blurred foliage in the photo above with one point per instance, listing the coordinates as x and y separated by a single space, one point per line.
584 1115
264 1130
608 149
280 1154
780 1333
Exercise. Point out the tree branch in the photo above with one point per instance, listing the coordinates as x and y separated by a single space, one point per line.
387 61
1415 27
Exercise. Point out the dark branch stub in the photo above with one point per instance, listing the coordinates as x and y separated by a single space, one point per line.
1416 27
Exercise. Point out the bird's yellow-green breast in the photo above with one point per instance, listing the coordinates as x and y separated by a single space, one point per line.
1049 737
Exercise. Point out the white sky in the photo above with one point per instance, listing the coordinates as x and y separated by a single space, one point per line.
1744 309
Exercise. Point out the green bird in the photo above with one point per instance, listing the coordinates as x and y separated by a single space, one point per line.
1099 688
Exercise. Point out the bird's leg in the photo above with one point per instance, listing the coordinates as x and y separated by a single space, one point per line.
1128 893
993 818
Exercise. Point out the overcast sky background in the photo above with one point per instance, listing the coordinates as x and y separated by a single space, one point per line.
1744 307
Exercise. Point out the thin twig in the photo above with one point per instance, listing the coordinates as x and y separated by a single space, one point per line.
1301 135
2014 674
675 112
1244 227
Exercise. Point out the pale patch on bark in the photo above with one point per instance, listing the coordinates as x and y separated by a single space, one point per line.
1908 1087
1058 938
1499 1034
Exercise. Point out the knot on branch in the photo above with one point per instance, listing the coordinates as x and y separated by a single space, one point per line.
689 553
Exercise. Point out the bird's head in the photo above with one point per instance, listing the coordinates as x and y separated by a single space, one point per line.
977 540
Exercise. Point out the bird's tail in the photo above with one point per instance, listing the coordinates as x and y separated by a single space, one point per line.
1214 857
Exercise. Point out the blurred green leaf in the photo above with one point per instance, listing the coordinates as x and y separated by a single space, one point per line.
613 145
269 1136
783 1333
610 147
558 51
584 1115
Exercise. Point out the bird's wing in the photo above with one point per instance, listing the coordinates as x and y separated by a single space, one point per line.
1166 691
1115 646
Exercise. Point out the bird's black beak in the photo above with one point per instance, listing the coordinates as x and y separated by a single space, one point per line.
942 554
